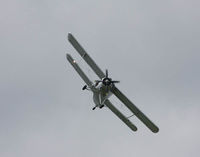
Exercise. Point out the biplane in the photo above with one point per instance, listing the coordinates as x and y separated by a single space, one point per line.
105 87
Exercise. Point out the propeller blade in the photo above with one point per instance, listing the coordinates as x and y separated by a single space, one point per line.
115 81
106 73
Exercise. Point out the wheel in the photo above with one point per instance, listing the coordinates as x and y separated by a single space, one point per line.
84 87
101 106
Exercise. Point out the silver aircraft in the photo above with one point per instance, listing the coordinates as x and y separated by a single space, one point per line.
102 89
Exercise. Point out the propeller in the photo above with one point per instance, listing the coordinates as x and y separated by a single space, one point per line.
106 80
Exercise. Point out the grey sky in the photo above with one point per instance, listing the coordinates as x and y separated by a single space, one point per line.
152 47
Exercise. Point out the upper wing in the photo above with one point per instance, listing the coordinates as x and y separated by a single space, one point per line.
135 110
85 56
79 71
120 115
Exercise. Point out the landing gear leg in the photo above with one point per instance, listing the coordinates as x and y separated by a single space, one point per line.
84 87
93 108
101 106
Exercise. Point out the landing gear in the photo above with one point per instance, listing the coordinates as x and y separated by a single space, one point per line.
84 87
101 106
93 108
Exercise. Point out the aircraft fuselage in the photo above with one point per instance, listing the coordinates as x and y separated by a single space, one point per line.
101 93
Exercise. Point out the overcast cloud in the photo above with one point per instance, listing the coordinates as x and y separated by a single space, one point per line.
152 47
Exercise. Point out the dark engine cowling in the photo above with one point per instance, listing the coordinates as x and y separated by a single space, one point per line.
107 81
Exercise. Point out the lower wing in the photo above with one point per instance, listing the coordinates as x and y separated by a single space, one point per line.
135 110
120 115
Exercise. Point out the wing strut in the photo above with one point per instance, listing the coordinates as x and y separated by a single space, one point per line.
120 115
135 110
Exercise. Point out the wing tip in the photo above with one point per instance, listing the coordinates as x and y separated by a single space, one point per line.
70 36
134 129
70 59
68 55
156 130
